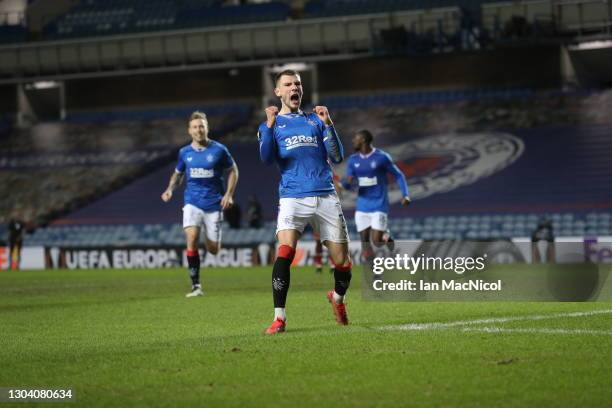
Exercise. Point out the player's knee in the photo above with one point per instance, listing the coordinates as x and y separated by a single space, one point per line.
342 259
285 251
377 239
212 248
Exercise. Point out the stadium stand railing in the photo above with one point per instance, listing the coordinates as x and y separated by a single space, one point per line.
112 17
475 226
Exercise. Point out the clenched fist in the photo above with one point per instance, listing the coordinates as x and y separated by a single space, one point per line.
323 114
167 195
271 112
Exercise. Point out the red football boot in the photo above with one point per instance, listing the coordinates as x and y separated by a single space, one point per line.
277 326
338 309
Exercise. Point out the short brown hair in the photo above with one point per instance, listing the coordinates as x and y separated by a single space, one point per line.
198 115
290 72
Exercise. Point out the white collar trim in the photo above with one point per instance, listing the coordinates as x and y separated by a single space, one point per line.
365 156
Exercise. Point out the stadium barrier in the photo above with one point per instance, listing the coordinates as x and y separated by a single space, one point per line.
516 250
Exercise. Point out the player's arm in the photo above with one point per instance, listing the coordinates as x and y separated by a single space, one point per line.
400 179
347 181
267 147
332 142
175 180
232 180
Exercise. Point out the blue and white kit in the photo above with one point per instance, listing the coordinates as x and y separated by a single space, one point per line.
302 146
204 169
370 173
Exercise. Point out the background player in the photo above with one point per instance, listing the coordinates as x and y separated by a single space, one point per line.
16 232
369 167
203 162
301 144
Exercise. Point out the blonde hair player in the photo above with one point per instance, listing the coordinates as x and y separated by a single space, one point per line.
203 163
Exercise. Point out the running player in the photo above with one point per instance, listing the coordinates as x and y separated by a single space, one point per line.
369 167
300 144
203 163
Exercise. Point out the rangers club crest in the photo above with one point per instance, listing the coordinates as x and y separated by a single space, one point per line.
438 164
210 158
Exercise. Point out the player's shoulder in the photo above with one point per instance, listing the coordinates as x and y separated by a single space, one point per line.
185 149
353 156
217 145
382 153
314 117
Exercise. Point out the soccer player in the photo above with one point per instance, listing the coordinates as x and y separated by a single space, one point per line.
369 167
203 163
300 144
16 232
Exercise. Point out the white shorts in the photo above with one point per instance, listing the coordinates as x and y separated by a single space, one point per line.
211 221
324 214
375 220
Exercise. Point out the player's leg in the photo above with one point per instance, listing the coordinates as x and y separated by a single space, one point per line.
339 254
318 255
293 215
193 218
18 254
12 255
281 277
367 252
363 222
380 231
213 222
330 221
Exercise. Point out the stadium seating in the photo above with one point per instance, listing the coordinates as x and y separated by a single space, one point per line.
481 227
129 144
108 17
557 130
12 33
425 97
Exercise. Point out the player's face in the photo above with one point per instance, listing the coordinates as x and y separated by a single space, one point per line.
358 141
289 90
198 130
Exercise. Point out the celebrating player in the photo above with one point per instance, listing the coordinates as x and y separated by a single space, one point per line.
369 166
203 162
300 144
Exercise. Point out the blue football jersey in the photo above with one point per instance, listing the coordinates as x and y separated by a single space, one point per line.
370 173
300 144
203 170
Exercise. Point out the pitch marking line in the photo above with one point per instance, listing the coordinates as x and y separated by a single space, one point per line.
493 320
537 331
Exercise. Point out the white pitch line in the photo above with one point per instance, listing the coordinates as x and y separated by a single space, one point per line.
537 331
445 325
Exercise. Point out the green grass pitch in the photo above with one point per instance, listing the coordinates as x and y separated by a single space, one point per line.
129 338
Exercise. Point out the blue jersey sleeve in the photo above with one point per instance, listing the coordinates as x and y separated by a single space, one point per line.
331 140
180 165
267 145
400 179
227 161
350 172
